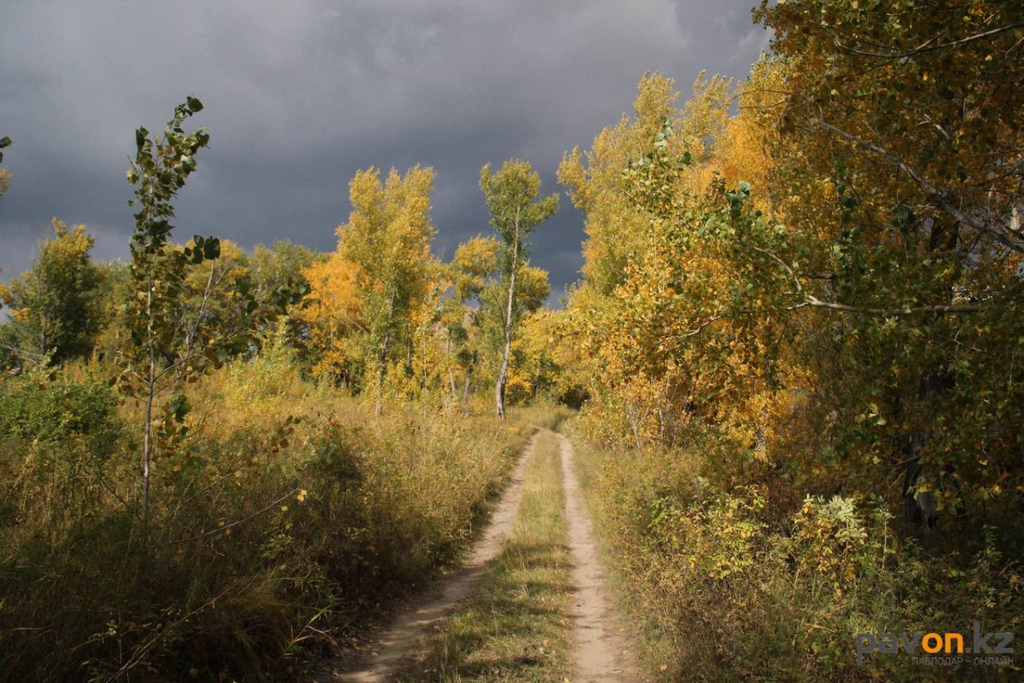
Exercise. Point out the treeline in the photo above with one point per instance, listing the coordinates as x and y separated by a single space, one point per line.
381 316
800 321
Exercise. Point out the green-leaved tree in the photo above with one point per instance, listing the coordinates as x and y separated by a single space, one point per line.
160 168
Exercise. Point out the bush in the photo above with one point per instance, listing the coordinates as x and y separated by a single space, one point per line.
727 581
53 412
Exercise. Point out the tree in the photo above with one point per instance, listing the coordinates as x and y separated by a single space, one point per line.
473 317
913 117
829 278
159 170
472 269
56 309
512 194
277 273
331 316
387 239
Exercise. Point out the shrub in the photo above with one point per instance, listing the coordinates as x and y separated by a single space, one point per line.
264 384
54 412
728 580
272 536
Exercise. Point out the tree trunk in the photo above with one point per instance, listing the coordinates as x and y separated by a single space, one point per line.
147 442
451 372
469 381
383 359
920 506
499 389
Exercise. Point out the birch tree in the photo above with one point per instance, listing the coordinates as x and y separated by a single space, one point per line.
512 197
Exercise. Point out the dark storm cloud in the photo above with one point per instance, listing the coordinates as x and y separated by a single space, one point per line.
301 94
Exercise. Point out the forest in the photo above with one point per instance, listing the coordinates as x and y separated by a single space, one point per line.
788 368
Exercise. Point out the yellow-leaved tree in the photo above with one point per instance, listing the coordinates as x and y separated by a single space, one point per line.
364 301
330 314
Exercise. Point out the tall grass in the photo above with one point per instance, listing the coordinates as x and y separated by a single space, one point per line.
514 626
283 520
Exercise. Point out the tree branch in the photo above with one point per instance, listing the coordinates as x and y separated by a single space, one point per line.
237 521
925 47
933 193
814 302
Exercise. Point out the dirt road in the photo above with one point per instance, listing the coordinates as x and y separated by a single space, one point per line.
405 633
600 645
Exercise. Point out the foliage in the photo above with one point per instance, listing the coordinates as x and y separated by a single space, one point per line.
37 410
387 237
276 274
512 195
274 536
795 338
266 384
55 307
801 315
155 346
778 599
331 317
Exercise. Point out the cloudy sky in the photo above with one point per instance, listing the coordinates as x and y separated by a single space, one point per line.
300 94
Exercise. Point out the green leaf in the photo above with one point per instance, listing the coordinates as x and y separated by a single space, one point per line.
211 248
179 407
5 142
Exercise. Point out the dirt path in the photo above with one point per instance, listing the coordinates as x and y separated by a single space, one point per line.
602 648
402 637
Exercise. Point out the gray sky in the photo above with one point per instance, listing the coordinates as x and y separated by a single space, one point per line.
301 94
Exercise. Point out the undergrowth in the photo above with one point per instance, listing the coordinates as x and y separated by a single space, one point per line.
731 583
514 625
280 522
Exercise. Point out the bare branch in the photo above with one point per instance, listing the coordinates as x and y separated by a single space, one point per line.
700 328
814 302
237 521
809 300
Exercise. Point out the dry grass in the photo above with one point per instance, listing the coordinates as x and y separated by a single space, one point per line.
272 540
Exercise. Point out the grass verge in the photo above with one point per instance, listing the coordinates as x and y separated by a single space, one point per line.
272 543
